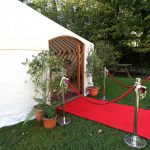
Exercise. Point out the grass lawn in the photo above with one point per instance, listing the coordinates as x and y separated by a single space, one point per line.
81 134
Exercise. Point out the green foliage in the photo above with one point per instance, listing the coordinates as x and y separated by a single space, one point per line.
94 66
39 101
122 23
103 56
111 21
50 110
106 52
46 73
46 7
40 104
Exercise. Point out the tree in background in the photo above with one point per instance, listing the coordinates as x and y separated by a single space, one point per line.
124 24
46 7
121 24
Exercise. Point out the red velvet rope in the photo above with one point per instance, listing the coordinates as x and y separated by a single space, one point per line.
145 80
67 81
114 100
126 86
104 102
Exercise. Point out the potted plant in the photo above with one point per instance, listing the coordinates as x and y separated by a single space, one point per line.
97 59
38 109
49 118
94 69
46 73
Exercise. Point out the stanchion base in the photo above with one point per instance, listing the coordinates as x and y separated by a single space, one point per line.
135 141
63 121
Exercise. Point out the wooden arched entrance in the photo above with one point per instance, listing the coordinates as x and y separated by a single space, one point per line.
71 51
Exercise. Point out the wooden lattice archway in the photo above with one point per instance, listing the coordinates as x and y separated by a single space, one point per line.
70 50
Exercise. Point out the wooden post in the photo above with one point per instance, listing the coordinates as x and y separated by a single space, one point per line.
83 63
78 66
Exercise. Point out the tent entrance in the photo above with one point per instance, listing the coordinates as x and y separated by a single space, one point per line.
71 51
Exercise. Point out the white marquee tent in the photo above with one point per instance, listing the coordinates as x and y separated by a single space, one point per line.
25 32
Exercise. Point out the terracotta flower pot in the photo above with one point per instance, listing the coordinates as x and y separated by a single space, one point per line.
39 115
93 91
49 123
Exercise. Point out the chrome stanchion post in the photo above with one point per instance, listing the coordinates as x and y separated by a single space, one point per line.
134 140
63 120
104 83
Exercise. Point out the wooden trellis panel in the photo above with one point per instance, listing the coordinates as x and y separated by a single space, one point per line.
70 50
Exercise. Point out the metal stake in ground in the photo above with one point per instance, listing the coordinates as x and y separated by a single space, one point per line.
63 120
104 83
134 140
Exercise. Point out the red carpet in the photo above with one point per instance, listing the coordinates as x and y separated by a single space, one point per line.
114 115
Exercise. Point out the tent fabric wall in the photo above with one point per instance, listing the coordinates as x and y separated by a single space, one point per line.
17 91
24 32
24 28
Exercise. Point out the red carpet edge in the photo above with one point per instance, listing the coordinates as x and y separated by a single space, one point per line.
114 115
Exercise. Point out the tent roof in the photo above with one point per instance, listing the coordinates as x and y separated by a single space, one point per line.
24 28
